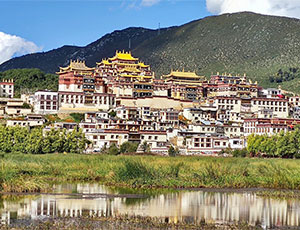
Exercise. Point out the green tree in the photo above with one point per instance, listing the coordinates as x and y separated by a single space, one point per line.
251 144
24 140
77 117
173 151
128 147
112 113
145 147
30 80
34 142
113 149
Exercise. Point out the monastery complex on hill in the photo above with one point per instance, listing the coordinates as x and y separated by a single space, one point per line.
123 100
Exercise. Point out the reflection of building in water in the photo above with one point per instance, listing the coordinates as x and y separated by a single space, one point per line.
191 207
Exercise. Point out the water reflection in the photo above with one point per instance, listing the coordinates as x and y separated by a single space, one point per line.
187 206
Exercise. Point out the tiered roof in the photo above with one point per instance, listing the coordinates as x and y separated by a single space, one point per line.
184 77
75 66
126 56
184 74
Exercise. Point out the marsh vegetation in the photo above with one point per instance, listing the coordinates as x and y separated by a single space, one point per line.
29 173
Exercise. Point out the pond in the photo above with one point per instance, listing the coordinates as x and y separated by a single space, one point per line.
210 206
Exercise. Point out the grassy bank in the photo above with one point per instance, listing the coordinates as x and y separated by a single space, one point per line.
22 172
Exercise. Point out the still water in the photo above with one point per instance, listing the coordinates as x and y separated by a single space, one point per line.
172 206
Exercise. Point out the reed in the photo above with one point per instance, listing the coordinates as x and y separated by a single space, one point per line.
28 173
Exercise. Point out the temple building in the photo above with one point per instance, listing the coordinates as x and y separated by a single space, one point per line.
123 66
185 85
7 88
228 85
126 75
80 88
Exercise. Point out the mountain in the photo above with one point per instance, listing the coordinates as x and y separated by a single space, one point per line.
106 46
239 43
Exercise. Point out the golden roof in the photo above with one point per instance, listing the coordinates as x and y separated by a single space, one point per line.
106 62
76 65
130 69
183 74
142 64
126 56
123 56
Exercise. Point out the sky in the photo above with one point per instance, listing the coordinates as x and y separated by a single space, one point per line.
28 26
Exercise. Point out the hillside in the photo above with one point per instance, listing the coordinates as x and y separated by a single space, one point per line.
249 43
104 47
30 80
234 43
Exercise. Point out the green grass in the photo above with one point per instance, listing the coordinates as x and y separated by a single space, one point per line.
28 173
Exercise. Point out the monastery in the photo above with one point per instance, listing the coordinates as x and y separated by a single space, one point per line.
122 100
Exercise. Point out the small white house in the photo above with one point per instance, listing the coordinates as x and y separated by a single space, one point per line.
45 102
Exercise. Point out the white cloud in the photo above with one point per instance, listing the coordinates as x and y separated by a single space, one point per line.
149 2
11 45
289 8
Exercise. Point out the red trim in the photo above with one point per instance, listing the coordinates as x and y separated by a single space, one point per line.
81 93
6 83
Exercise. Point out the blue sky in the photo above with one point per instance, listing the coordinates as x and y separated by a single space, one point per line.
28 26
51 24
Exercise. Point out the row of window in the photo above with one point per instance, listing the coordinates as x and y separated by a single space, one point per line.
263 130
48 103
48 97
102 137
142 94
278 103
227 101
4 91
228 107
294 99
88 80
202 139
149 137
80 99
88 87
143 86
7 86
276 109
208 145
42 107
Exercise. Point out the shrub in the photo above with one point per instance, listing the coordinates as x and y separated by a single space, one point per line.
113 150
128 147
173 151
77 117
20 139
240 153
297 156
112 113
145 147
